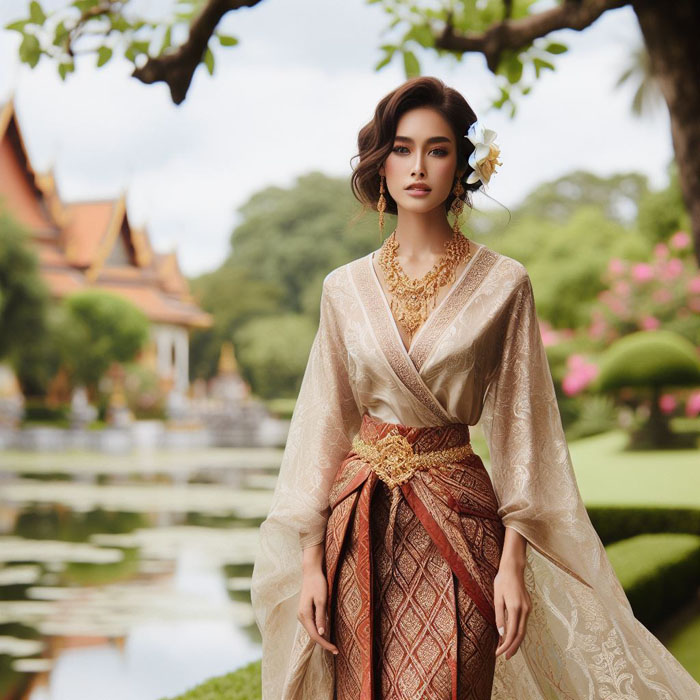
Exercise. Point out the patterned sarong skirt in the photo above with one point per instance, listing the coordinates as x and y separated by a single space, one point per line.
411 554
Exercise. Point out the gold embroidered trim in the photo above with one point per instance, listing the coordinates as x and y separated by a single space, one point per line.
393 460
484 260
390 345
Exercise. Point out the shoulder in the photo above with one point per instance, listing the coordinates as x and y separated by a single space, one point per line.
507 285
338 277
335 278
509 270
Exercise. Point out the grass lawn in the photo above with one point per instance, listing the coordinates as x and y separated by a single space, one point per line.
608 476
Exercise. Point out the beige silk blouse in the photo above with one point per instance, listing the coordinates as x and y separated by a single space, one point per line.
478 359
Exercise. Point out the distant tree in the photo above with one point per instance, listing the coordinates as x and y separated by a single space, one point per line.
24 304
288 240
274 351
96 329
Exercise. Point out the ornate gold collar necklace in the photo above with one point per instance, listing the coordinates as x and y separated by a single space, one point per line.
410 298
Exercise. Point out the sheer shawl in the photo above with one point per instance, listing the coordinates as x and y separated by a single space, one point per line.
324 421
582 639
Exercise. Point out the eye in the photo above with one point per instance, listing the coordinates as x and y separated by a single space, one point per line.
440 151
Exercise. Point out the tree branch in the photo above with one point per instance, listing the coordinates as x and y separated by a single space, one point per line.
177 68
516 33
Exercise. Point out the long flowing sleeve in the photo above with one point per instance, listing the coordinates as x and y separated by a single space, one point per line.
325 418
582 639
531 467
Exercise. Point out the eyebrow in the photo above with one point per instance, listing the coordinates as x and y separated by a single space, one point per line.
432 139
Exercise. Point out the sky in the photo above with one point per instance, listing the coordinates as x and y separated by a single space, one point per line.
290 98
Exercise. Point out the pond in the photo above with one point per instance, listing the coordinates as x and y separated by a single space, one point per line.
127 577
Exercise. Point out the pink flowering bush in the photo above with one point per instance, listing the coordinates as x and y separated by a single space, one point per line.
646 295
580 373
662 293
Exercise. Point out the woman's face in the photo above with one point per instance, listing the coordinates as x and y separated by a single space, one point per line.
424 150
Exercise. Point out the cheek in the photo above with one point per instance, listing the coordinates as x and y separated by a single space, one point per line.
394 165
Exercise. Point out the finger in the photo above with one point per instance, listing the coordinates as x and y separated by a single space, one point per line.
521 631
320 615
310 627
512 633
505 628
511 629
500 615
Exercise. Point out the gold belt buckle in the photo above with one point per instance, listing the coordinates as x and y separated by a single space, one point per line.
391 457
393 460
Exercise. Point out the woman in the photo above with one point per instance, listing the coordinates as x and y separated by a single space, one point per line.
391 564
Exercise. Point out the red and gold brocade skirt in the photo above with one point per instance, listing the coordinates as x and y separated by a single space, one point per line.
410 563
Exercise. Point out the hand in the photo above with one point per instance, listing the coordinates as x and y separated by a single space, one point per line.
312 607
511 597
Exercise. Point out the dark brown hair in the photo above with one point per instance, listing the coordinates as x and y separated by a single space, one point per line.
376 139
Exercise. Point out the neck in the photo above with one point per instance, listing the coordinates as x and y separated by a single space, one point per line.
421 235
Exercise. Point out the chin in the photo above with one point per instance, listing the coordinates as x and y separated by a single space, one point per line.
424 204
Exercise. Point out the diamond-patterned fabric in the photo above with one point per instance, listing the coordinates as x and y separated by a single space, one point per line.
410 572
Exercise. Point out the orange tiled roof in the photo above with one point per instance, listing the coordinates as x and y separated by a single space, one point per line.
86 226
159 307
76 242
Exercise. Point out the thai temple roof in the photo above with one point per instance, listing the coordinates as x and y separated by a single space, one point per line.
90 244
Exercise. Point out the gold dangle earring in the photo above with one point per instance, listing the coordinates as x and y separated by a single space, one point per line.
381 207
457 203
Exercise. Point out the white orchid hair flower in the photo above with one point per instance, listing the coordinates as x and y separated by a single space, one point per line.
484 159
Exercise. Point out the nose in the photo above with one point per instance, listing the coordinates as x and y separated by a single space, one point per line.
418 166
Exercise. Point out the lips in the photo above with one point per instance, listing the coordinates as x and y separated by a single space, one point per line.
418 187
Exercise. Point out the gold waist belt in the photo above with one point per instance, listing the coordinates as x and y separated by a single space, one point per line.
393 460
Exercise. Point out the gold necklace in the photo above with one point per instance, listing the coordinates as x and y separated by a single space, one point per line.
410 297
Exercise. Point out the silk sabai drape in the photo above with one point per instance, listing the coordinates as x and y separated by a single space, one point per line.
479 358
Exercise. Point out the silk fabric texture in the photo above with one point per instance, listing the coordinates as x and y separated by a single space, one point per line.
478 359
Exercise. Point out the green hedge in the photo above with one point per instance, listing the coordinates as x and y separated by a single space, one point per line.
659 573
243 684
614 523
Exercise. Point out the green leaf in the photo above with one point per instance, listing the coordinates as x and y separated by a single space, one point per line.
383 62
30 50
130 53
61 34
84 5
227 40
119 24
554 47
505 96
17 26
141 46
65 68
410 64
541 64
422 34
167 39
514 69
104 53
209 60
36 13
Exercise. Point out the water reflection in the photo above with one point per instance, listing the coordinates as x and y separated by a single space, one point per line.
128 576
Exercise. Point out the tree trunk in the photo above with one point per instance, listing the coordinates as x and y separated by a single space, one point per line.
670 32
